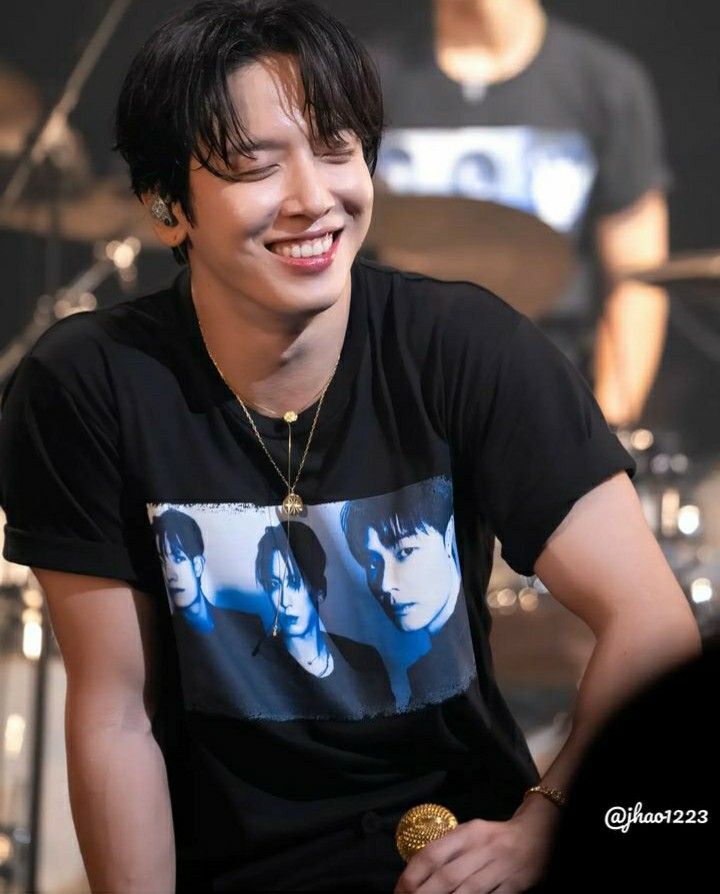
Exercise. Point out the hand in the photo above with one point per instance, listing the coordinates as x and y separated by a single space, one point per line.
481 856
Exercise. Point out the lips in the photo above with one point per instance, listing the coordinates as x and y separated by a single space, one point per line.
402 608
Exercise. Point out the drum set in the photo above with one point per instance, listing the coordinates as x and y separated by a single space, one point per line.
540 649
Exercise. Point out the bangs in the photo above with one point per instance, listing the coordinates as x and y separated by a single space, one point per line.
340 89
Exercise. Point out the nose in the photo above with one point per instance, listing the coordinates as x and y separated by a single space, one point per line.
308 193
286 598
388 580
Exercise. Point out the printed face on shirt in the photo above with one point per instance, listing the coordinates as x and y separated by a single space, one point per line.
182 574
297 611
412 578
288 188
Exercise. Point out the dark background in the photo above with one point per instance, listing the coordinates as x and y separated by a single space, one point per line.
677 42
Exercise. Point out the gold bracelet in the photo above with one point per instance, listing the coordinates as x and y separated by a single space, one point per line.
552 794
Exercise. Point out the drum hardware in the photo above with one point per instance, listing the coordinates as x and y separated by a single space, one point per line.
117 256
686 266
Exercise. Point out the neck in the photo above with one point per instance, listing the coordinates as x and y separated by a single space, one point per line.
307 646
438 622
272 359
488 40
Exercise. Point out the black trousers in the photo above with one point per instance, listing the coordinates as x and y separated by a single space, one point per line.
355 860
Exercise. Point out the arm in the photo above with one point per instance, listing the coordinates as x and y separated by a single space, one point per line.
117 778
621 586
631 332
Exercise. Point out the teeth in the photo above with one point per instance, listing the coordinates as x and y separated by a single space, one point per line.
304 249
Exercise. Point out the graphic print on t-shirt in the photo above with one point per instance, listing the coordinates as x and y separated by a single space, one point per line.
368 597
545 172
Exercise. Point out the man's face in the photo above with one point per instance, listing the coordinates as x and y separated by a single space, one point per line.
297 611
412 579
285 191
182 574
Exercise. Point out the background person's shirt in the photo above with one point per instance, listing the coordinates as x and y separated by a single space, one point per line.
576 135
438 383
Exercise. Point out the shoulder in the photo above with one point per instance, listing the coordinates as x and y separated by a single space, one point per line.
609 66
426 309
81 351
359 656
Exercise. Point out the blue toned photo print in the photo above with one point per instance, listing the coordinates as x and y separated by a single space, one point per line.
405 542
180 546
293 577
366 597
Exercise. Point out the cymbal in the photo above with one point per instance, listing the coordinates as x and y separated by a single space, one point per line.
685 266
510 252
107 211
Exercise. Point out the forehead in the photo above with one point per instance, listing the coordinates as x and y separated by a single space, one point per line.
171 546
373 542
278 562
268 96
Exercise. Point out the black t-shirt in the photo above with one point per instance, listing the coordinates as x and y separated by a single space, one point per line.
451 419
574 136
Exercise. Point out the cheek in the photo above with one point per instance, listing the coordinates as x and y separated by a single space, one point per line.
362 188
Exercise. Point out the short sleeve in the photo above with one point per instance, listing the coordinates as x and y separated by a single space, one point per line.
66 502
539 442
632 153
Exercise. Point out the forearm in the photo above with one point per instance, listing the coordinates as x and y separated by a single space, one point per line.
628 348
121 808
628 655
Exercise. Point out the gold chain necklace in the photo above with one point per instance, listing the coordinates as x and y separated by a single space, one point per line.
292 504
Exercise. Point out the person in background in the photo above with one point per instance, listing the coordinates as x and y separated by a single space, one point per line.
569 125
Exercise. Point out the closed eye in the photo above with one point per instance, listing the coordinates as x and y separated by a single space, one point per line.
339 158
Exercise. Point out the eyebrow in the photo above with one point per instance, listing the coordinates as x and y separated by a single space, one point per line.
256 145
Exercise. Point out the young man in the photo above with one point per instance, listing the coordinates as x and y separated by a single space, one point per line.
280 374
180 543
296 584
407 550
405 543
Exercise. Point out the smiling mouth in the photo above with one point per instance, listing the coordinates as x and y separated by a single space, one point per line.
277 247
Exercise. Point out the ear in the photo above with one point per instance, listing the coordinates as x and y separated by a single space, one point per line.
172 234
198 565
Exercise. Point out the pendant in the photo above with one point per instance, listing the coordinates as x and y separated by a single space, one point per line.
292 504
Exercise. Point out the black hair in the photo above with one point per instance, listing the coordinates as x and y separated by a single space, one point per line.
306 558
175 104
398 514
180 530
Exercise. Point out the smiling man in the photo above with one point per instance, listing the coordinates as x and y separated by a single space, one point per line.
279 377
